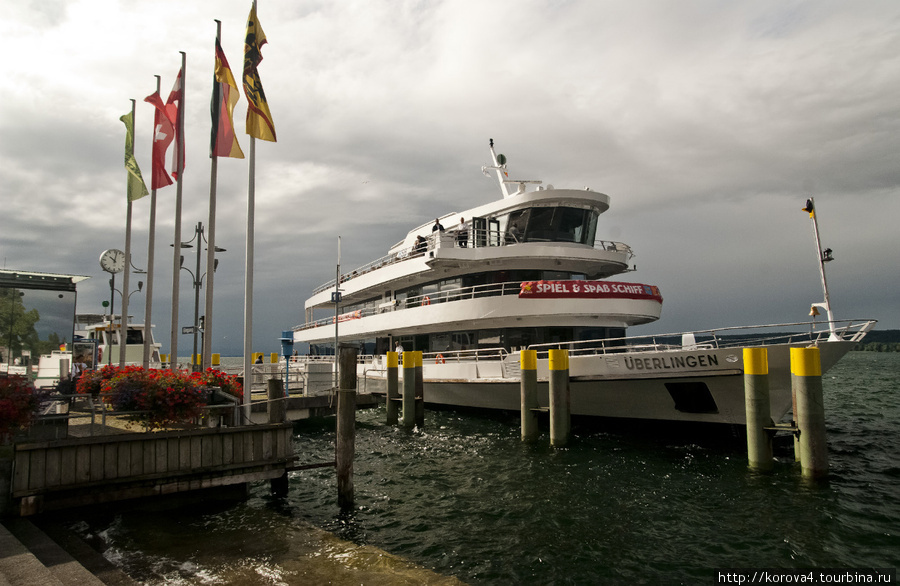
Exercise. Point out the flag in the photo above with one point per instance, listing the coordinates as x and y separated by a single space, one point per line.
259 119
136 186
173 105
223 140
163 134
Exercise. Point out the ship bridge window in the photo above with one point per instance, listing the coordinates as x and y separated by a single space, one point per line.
552 224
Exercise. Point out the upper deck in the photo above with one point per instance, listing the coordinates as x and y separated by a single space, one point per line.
547 229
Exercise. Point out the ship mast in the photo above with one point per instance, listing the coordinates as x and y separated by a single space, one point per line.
824 256
499 167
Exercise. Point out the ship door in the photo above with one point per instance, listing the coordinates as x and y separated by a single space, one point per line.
487 232
479 226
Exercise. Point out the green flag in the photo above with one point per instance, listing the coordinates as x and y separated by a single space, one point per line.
136 186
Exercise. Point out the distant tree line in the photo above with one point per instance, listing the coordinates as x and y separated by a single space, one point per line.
880 341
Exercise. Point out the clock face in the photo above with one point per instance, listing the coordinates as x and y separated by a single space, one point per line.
112 261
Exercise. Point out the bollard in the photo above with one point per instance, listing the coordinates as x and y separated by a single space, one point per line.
420 392
277 411
273 358
216 359
756 404
346 425
528 364
409 389
806 381
560 421
275 407
393 392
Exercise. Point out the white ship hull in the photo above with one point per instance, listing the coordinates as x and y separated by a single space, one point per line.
698 386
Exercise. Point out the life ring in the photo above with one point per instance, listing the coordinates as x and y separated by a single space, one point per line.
439 359
426 300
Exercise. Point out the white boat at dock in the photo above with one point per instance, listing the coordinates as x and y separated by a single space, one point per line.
96 344
529 270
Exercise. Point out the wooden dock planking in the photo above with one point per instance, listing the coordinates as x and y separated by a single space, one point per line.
99 469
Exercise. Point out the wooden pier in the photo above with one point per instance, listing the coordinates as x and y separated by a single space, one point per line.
73 472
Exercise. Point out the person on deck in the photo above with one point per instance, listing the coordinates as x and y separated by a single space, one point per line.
462 234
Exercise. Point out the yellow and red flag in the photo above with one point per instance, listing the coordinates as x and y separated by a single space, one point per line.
223 140
259 118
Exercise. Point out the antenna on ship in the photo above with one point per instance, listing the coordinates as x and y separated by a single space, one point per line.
500 167
824 256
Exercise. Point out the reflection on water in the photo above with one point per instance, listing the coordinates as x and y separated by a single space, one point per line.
464 497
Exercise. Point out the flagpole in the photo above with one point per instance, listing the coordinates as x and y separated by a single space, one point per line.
123 334
206 362
151 246
176 262
248 280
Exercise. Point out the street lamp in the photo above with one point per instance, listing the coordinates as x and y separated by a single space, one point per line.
12 306
112 316
199 237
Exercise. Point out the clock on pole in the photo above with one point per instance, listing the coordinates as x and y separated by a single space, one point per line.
112 261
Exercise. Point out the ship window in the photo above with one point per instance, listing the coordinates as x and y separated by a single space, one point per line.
518 221
692 397
488 338
134 337
551 224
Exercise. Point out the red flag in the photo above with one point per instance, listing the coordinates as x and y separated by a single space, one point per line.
163 134
172 106
223 141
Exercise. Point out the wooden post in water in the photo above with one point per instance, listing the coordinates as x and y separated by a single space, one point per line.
275 407
393 392
420 392
277 412
346 425
756 404
409 389
560 417
528 391
806 381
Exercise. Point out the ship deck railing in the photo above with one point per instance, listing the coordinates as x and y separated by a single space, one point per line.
456 294
474 239
808 333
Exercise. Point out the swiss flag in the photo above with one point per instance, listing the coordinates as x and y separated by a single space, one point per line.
163 134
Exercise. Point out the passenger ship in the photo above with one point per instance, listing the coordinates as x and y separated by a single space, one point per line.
529 271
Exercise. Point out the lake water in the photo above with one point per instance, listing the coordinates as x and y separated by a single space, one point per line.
464 499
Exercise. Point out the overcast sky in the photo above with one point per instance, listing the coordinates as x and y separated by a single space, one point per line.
708 123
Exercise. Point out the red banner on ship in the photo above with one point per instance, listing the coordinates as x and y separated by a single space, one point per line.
587 290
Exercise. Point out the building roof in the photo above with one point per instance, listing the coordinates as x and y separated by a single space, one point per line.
36 280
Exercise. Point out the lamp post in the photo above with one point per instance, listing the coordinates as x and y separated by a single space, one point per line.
12 306
123 335
198 284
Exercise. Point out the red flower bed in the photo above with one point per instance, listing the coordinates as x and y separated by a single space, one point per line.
18 405
162 397
216 378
